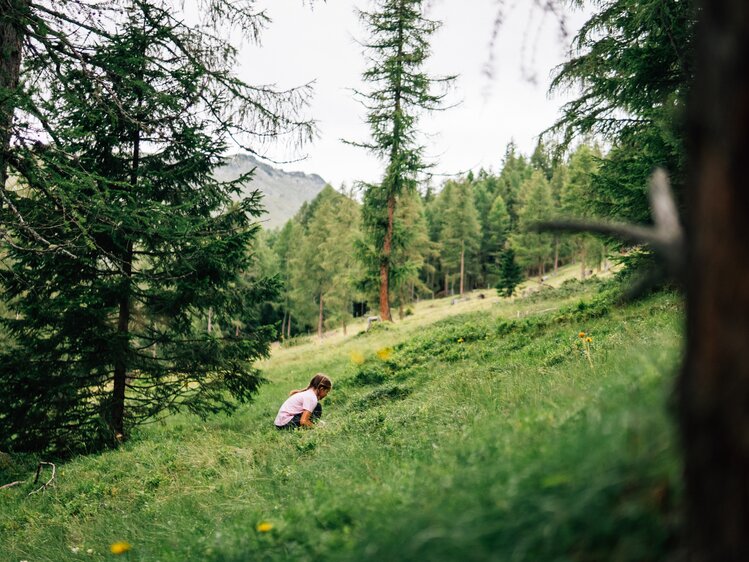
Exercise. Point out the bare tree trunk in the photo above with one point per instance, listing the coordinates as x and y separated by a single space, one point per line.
210 319
714 383
462 265
385 264
556 254
320 318
447 287
288 326
123 336
11 42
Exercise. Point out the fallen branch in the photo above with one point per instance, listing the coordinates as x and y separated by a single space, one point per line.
16 483
665 237
38 473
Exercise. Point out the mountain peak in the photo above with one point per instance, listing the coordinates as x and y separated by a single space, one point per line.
283 192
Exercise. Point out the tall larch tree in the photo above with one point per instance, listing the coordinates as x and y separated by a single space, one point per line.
401 91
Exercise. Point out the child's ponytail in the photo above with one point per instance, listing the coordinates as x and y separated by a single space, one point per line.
318 381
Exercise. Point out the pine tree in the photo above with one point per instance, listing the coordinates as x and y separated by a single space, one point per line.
42 41
497 230
575 198
461 232
515 170
284 247
533 249
633 63
414 250
398 49
112 331
324 269
510 274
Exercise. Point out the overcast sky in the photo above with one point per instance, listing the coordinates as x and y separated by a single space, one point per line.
319 44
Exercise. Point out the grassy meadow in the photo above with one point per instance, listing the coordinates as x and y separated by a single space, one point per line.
481 430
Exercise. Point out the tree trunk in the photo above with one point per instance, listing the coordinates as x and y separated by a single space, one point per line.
714 383
385 264
288 326
320 318
123 337
556 254
11 43
447 287
210 319
462 265
123 321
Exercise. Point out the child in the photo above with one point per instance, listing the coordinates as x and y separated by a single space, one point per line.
303 405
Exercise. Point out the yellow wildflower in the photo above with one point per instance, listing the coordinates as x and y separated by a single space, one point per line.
120 547
581 335
264 527
460 340
385 353
589 340
357 358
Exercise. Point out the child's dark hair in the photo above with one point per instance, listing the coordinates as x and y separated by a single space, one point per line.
318 381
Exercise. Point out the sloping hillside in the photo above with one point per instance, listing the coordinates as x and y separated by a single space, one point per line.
495 434
284 192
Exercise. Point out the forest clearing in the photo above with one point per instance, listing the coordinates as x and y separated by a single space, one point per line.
484 434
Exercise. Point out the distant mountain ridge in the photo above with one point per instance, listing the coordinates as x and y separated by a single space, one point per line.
283 192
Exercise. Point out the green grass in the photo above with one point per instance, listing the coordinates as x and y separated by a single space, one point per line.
483 435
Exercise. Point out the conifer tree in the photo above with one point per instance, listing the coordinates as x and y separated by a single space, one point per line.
632 61
398 49
284 247
413 251
461 232
510 274
497 230
575 201
515 170
533 249
324 269
111 332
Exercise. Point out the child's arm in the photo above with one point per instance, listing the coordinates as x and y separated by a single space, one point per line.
306 419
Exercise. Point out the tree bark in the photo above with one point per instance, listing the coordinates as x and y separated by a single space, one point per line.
385 263
556 254
11 43
123 336
320 318
714 383
462 265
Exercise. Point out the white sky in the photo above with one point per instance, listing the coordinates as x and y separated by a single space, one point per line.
319 44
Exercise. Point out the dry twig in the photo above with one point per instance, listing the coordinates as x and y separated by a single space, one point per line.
39 468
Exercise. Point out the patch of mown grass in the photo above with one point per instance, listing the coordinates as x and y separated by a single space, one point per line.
482 436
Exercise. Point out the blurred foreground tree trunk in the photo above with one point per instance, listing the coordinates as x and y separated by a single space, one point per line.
714 386
11 43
